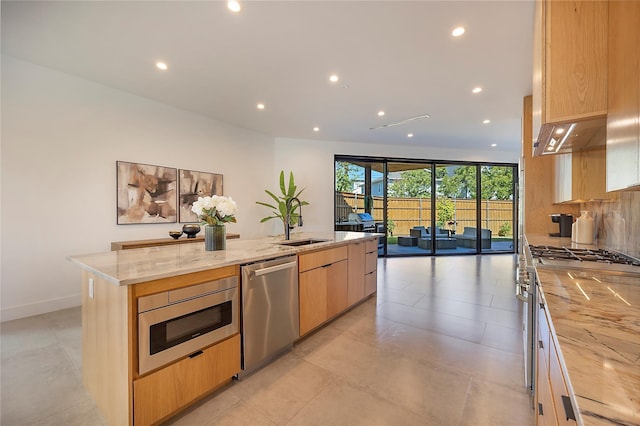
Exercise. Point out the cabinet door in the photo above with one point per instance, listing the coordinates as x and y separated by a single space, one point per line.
370 283
564 414
575 59
623 119
161 394
337 288
356 272
545 412
313 299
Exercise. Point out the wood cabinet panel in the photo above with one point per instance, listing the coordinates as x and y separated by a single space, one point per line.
316 259
575 59
570 61
559 388
337 288
371 246
107 347
162 393
545 411
313 299
356 280
371 262
623 119
580 176
128 245
370 283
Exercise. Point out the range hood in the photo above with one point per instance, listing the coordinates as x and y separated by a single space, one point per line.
560 138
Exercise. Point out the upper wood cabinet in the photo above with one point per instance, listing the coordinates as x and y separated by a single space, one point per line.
570 61
623 120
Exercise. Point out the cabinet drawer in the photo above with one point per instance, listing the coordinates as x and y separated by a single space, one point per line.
370 283
166 391
322 258
370 262
371 246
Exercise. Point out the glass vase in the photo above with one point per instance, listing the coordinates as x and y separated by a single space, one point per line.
215 237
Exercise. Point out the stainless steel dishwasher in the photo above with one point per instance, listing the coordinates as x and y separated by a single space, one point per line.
270 321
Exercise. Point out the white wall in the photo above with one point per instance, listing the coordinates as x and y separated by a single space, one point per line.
312 164
61 137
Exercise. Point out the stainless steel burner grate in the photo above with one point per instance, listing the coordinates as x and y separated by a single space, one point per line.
583 255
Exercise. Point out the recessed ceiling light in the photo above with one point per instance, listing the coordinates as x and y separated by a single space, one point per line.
410 135
162 66
260 106
380 113
457 32
486 122
316 129
477 89
234 5
493 145
334 78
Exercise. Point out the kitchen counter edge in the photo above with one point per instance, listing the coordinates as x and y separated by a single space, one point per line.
126 267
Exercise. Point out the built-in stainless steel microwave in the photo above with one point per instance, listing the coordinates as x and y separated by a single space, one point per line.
179 323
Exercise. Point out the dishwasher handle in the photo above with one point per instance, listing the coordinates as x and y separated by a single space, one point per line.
275 268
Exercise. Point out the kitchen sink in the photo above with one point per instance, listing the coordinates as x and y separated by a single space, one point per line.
306 242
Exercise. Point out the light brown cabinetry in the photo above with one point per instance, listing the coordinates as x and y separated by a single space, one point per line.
110 356
323 286
371 267
363 263
570 61
332 280
553 404
164 392
356 272
623 119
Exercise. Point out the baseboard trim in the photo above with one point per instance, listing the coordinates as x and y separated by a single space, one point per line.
42 307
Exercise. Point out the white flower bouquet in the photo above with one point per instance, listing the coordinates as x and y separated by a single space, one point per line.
215 210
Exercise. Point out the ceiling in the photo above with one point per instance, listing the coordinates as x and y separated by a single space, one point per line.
396 56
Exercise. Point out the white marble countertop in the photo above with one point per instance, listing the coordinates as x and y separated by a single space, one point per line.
125 267
596 319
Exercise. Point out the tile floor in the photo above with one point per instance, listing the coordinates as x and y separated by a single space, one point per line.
439 345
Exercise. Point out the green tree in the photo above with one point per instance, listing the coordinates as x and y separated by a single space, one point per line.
444 211
497 183
344 181
412 184
461 184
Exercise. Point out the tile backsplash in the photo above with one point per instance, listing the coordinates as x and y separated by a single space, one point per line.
617 222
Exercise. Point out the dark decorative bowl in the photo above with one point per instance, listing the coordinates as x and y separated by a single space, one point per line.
191 230
175 234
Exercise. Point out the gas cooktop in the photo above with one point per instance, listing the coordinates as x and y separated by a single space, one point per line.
584 258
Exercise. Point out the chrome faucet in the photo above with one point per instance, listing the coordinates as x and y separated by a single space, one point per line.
287 217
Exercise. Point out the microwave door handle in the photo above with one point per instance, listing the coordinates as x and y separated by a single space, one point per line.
271 269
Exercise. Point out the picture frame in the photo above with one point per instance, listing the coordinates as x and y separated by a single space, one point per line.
145 193
193 184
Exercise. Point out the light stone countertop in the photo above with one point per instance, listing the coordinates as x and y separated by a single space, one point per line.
598 332
125 267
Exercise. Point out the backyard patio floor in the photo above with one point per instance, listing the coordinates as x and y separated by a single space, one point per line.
496 247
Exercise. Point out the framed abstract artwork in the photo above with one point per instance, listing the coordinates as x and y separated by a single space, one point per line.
145 193
194 184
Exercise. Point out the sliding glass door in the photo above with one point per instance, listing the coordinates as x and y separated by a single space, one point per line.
498 210
359 197
427 207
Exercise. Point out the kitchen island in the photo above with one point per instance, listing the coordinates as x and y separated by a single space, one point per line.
120 288
594 336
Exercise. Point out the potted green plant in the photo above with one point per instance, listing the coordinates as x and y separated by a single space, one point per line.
285 206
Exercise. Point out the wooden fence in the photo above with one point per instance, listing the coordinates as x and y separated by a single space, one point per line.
409 212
